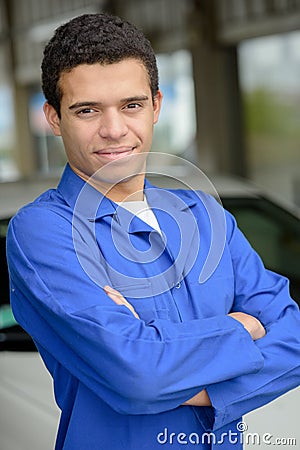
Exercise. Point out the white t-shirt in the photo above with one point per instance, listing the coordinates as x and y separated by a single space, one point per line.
142 210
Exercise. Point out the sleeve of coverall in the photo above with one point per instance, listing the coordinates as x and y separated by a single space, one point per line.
265 295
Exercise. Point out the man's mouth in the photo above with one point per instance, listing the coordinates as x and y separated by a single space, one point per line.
115 153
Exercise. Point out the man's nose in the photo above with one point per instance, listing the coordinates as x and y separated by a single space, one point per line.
112 125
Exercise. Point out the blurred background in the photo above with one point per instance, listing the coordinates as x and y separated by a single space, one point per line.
229 71
230 75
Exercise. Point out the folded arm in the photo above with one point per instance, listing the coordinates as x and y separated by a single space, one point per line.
71 317
251 324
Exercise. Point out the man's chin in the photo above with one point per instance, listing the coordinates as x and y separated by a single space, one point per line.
121 170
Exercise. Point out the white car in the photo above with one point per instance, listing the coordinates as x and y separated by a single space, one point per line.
28 414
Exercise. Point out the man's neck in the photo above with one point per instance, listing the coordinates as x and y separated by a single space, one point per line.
129 190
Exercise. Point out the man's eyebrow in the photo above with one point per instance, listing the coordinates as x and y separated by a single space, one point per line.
90 104
136 98
83 104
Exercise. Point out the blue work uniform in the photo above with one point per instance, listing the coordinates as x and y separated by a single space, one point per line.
119 381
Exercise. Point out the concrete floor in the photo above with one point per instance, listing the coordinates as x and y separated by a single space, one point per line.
277 425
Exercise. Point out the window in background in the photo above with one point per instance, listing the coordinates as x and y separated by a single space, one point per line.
8 168
48 148
176 128
270 82
273 232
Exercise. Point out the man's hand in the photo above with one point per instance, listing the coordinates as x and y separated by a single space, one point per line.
252 325
200 399
119 299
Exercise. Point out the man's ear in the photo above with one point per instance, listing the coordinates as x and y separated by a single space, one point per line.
52 118
157 101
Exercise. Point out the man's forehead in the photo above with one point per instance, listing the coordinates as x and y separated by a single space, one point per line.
126 77
106 66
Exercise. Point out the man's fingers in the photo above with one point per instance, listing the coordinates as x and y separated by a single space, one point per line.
119 299
114 295
112 291
251 324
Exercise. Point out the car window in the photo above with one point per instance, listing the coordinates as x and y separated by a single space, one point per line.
6 317
12 336
274 233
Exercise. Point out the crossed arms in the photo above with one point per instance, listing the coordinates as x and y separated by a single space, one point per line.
77 326
250 323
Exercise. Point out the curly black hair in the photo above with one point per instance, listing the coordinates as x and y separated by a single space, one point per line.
89 39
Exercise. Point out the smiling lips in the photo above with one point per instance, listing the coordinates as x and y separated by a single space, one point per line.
114 153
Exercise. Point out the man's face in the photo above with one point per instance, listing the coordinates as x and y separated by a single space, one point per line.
107 114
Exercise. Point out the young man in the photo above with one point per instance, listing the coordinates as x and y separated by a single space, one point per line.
146 346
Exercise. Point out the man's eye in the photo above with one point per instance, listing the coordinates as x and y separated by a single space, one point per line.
133 106
86 111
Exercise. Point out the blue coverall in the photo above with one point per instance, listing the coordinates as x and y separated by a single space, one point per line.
120 381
